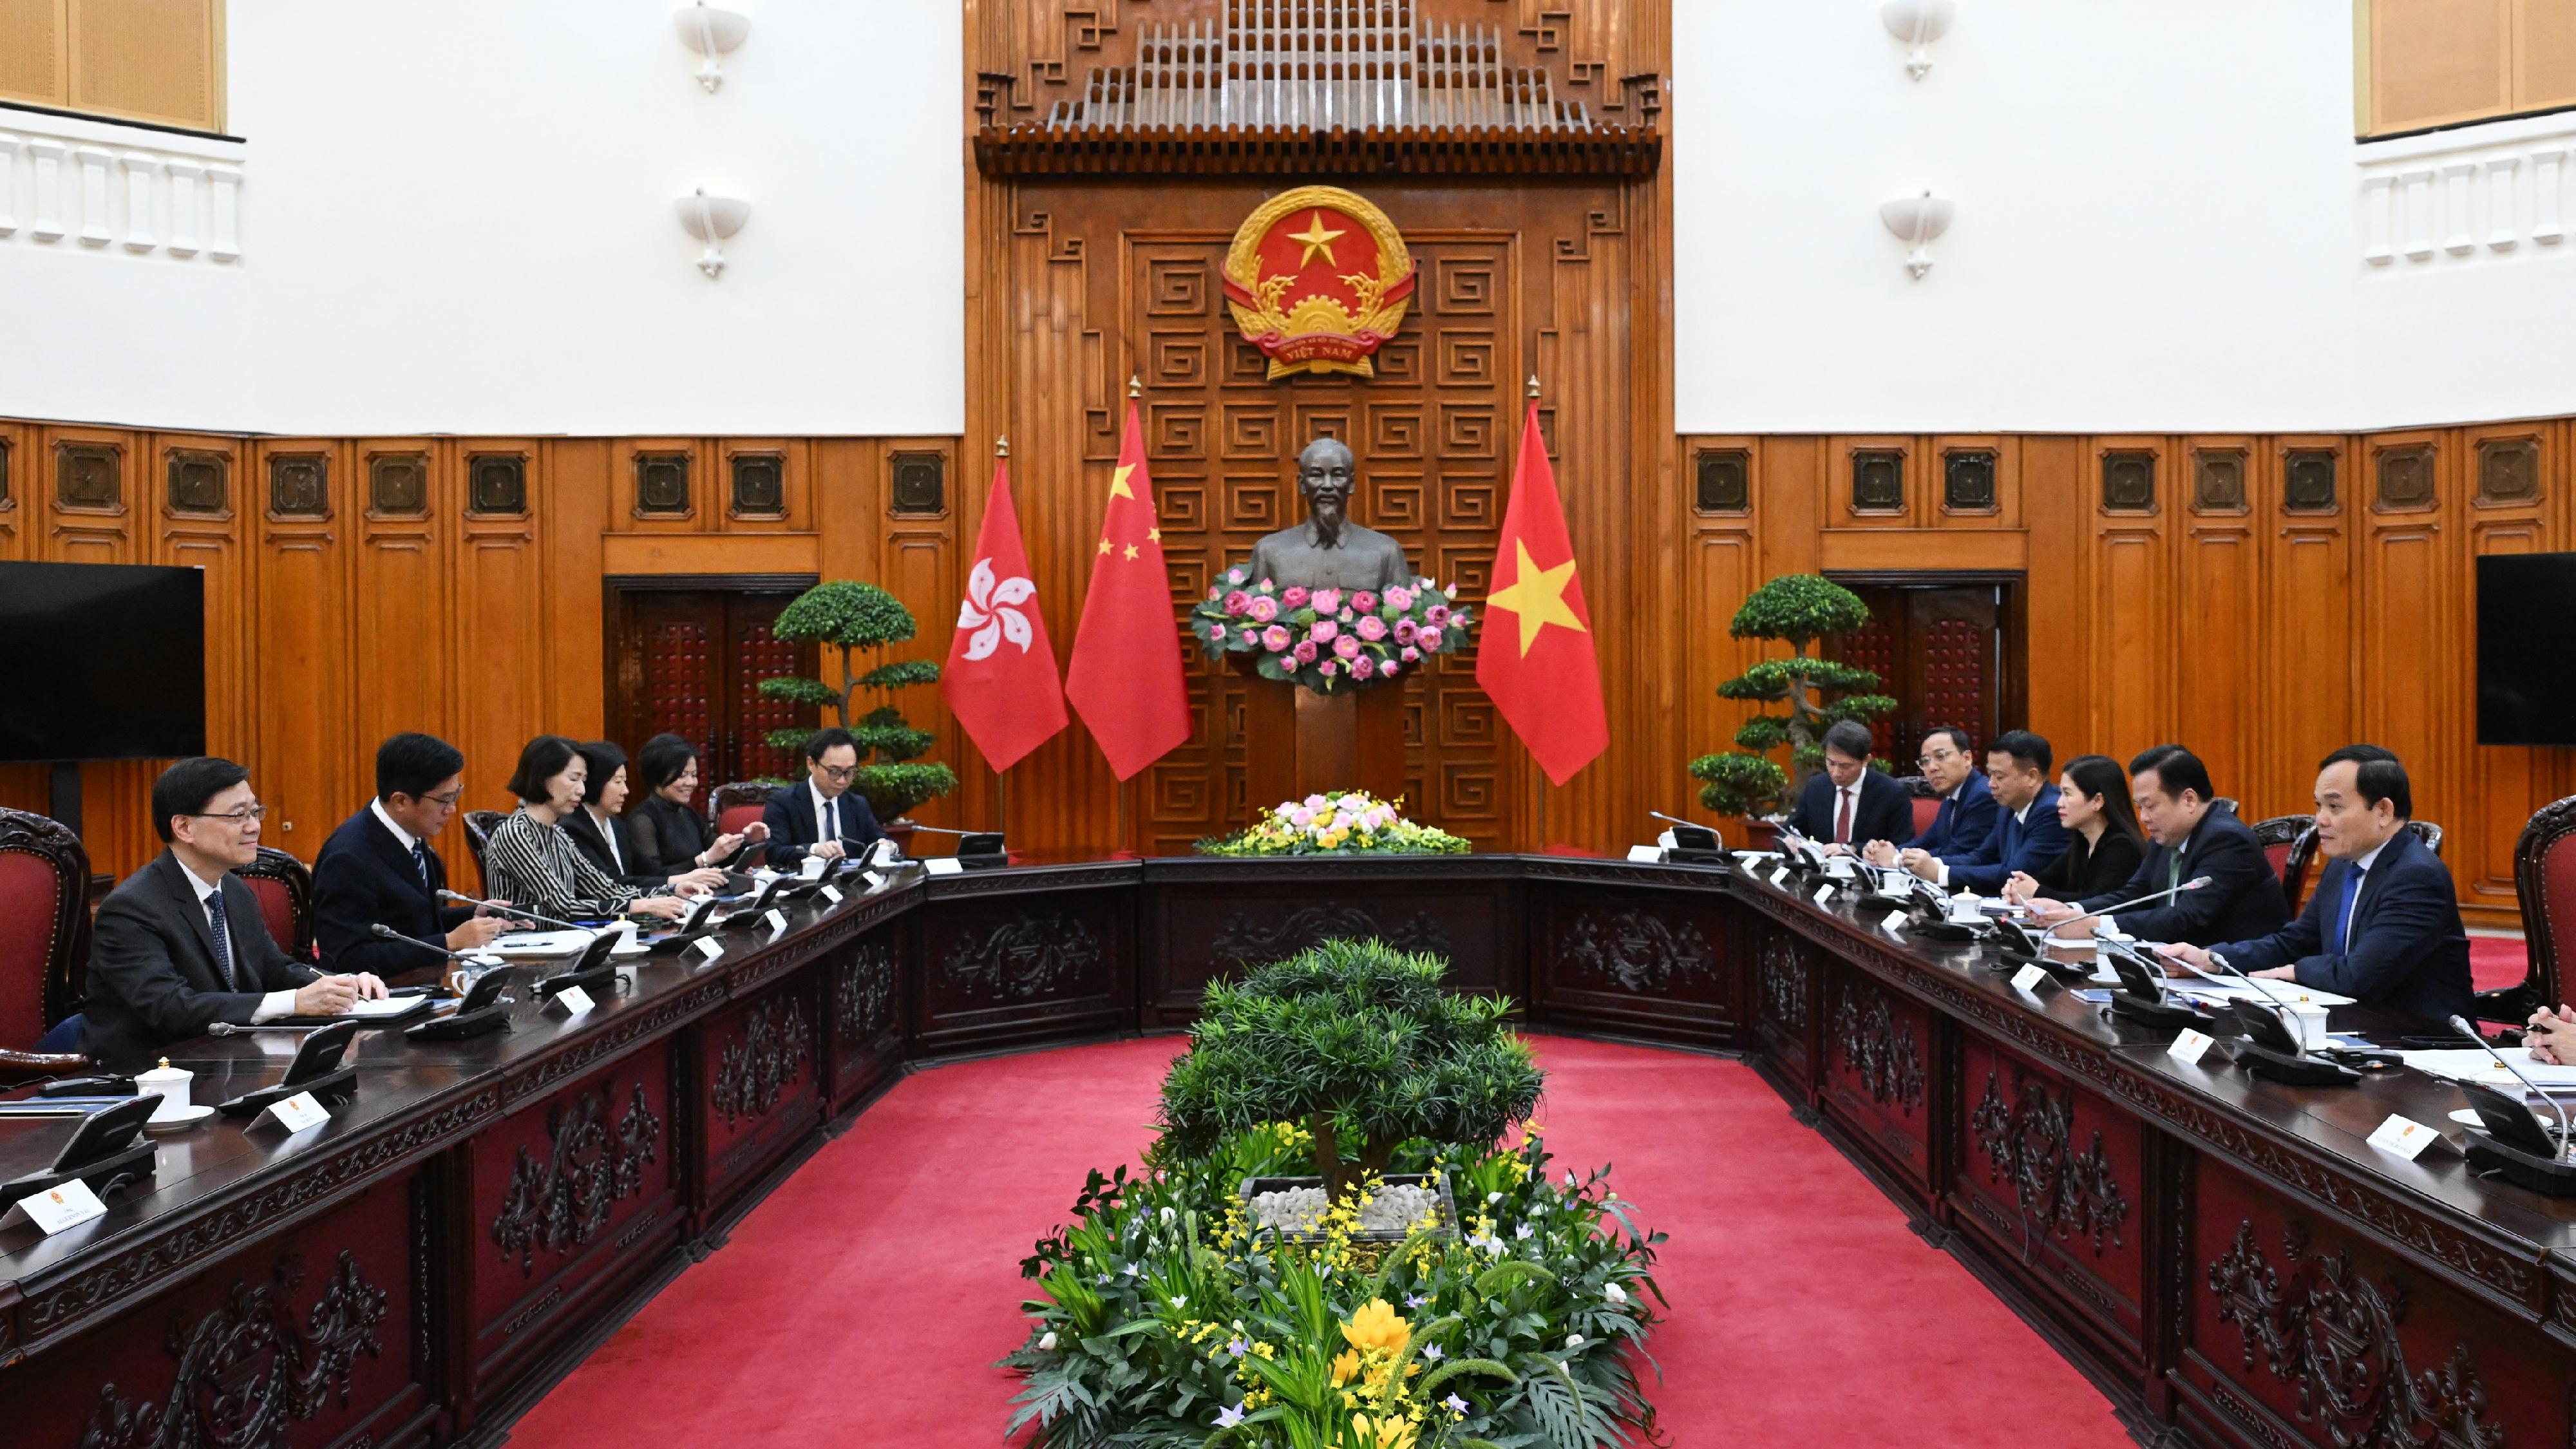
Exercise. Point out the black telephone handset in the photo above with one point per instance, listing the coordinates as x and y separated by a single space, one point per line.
591 970
108 1151
318 1068
484 1009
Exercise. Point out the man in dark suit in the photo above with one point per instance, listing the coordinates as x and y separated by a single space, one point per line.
378 869
2383 926
2027 833
2190 836
821 817
1851 804
1968 810
181 944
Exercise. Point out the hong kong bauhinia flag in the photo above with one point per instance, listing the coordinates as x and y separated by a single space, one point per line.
1125 679
1000 679
1535 658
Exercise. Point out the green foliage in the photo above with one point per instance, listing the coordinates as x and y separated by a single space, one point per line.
847 616
1798 609
1361 1045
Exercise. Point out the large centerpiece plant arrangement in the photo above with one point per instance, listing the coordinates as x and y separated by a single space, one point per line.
1813 693
1348 822
1329 640
1169 1316
861 620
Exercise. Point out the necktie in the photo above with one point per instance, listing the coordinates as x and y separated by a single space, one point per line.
2173 870
2343 924
420 862
832 818
223 939
1842 819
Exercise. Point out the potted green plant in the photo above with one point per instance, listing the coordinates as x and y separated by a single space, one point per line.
1798 610
862 619
1361 1045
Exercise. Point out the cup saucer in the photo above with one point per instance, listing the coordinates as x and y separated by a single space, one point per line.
187 1117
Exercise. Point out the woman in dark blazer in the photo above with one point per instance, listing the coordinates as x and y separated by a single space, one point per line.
603 834
2093 805
671 834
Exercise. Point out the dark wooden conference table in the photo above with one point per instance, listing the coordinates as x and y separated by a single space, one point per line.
2227 1258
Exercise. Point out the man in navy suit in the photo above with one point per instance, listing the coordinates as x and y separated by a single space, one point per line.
1968 810
821 817
2027 833
2192 836
1850 804
2383 926
378 869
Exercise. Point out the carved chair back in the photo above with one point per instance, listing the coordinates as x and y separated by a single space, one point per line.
44 925
732 807
479 825
2427 832
2544 876
285 891
2279 837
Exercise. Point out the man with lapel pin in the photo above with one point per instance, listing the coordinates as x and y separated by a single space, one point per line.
2383 925
378 868
822 817
2027 834
181 945
1968 809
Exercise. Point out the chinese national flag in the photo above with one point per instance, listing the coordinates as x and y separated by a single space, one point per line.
1536 658
1125 679
1000 679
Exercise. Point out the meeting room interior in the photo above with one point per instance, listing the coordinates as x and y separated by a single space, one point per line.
1287 724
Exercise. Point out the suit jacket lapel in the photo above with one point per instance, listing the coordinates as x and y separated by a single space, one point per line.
183 899
2378 871
392 853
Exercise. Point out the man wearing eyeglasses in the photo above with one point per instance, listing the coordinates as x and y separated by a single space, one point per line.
181 944
1968 809
378 867
822 817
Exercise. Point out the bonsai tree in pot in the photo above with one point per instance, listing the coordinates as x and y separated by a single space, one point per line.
1797 609
1360 1044
862 620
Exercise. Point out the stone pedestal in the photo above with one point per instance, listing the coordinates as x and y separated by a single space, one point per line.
1298 743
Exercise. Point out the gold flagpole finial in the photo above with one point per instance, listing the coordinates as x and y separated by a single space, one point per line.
1135 386
1002 447
1533 386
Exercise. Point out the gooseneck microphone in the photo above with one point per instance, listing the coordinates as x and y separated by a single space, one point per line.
2280 1008
515 913
2195 883
388 933
2461 1025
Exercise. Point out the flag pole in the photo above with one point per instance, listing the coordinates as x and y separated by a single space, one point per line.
1542 774
1002 778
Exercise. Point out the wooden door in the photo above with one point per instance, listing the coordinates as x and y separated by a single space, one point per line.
1950 654
690 660
1432 433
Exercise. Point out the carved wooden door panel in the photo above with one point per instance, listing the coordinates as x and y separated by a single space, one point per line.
1433 433
1946 655
690 662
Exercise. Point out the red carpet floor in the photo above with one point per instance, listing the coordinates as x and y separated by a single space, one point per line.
862 1302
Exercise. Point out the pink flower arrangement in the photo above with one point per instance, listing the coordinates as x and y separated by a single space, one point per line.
1364 601
1436 615
1399 598
1237 602
1275 639
1328 639
1293 597
1329 668
1410 655
1346 647
1405 629
1363 667
1326 601
1306 651
1372 628
1263 608
1324 631
1428 641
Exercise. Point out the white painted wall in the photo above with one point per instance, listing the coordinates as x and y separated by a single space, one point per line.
2160 226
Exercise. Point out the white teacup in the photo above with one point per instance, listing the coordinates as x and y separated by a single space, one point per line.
168 1083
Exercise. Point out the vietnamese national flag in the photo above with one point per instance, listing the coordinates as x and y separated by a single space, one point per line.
1536 658
1125 679
1000 678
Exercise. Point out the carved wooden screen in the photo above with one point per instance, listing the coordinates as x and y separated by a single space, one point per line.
1433 432
690 662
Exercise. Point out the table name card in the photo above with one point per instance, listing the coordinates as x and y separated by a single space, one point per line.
708 946
56 1208
299 1113
2188 1046
2028 978
571 1001
776 921
2404 1136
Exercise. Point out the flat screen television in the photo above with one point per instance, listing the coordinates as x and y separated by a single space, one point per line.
2527 649
102 662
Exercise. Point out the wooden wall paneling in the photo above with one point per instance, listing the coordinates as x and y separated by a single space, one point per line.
920 568
574 506
501 642
198 505
22 787
785 464
2056 605
300 501
2129 592
2509 482
2410 588
1873 481
2309 493
97 493
664 485
1723 565
2219 618
1971 481
402 495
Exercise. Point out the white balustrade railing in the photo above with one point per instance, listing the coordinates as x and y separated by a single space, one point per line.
71 182
2475 194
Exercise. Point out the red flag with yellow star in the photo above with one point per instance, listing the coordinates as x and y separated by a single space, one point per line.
1535 658
1125 680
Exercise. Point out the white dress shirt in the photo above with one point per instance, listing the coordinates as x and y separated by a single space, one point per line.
2021 816
824 827
402 837
271 1006
608 832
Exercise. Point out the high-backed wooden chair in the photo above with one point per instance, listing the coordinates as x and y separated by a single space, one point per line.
1925 799
285 891
479 825
2279 837
44 940
2544 876
732 807
2427 832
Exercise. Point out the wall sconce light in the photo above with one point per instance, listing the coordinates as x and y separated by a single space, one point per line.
712 219
713 34
1918 23
1918 221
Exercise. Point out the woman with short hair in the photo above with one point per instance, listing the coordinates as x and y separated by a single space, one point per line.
671 833
531 858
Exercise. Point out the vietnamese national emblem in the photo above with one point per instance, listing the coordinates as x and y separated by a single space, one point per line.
1318 279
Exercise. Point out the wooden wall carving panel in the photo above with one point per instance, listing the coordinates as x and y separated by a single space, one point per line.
996 970
1877 1075
1636 965
1219 931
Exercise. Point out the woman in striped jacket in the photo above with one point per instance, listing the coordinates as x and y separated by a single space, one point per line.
532 861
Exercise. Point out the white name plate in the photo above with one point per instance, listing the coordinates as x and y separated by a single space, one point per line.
2028 978
2189 1046
942 865
571 1001
56 1208
1890 925
776 921
832 894
1824 895
708 947
2404 1136
299 1113
1646 854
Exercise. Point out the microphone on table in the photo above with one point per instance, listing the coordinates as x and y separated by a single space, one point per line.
2461 1025
226 1028
2195 883
1694 843
388 933
2273 1045
516 913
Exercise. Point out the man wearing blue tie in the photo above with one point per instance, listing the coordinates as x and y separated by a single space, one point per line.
1967 814
2027 834
2384 924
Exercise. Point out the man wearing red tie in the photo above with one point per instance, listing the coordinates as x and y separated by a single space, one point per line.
1851 804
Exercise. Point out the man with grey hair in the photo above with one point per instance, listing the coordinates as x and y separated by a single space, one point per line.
1329 550
1850 804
